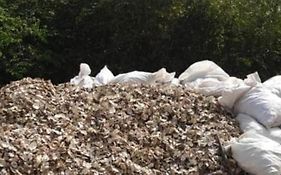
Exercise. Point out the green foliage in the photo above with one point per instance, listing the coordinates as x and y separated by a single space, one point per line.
18 45
251 32
49 38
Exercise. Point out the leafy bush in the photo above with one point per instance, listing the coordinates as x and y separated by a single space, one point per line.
49 39
18 46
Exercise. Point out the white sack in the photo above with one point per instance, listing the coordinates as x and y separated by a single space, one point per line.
205 86
175 82
275 134
83 79
252 79
247 123
274 84
230 96
261 104
86 82
164 77
203 69
207 78
257 154
139 77
84 70
75 80
103 77
212 86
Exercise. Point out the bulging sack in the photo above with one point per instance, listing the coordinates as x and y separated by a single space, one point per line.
207 78
230 96
275 134
257 154
261 104
203 69
274 84
212 86
248 123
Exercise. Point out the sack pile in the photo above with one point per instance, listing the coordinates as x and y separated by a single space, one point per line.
257 107
112 129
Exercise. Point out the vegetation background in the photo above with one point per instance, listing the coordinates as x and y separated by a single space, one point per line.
49 38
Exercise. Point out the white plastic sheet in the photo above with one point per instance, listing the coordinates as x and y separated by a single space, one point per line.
103 77
140 77
133 77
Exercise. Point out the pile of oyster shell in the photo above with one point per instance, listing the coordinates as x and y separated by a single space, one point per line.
112 129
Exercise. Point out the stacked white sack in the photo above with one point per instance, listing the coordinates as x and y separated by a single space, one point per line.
248 123
261 104
258 150
255 100
103 77
83 79
207 78
230 96
257 154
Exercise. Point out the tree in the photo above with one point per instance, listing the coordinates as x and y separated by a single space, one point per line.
18 41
